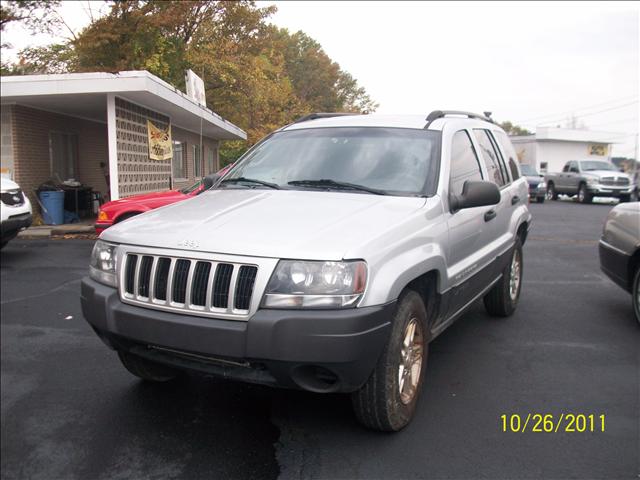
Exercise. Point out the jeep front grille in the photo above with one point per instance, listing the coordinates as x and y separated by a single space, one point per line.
195 285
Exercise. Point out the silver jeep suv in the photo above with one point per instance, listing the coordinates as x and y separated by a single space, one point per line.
327 259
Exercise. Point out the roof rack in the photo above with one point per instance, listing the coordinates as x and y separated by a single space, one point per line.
316 115
436 114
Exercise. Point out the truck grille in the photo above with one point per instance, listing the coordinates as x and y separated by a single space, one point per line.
188 284
614 181
12 198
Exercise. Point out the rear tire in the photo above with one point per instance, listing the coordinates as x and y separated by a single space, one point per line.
387 401
539 199
583 195
551 192
502 299
145 369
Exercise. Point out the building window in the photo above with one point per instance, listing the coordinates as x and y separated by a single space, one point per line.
464 163
197 162
63 150
212 160
179 160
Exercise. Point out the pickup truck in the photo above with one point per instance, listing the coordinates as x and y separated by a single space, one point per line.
591 178
326 260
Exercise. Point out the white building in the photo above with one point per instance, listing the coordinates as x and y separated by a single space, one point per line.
94 128
550 148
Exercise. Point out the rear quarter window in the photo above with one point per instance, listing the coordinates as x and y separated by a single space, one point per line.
511 158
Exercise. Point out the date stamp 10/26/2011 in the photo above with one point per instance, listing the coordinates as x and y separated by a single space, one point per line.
552 423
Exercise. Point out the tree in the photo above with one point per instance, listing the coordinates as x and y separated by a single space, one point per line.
512 129
256 75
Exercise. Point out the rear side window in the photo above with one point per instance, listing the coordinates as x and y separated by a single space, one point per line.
490 157
511 158
464 162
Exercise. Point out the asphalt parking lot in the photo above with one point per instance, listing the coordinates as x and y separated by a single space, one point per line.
70 411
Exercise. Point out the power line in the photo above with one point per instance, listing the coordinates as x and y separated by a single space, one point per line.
630 119
576 109
586 114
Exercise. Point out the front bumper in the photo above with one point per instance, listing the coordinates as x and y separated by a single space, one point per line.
610 191
101 227
320 350
615 264
12 225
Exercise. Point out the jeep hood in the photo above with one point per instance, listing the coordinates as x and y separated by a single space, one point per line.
302 224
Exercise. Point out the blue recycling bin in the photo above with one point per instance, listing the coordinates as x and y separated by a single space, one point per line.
53 203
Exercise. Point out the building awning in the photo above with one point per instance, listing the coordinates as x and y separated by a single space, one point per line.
84 95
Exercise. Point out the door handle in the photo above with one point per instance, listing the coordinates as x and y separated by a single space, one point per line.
515 199
490 215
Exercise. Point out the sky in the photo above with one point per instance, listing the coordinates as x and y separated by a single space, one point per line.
530 63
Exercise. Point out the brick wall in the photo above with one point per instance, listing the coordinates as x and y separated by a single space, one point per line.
32 163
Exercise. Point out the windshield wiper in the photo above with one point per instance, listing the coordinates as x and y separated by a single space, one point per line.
327 182
251 180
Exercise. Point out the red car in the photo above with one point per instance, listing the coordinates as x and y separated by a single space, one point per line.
119 210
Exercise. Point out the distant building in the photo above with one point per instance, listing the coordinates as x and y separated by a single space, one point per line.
119 134
550 148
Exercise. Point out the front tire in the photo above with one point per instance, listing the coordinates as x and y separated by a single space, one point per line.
552 194
387 401
635 294
583 195
145 369
625 198
539 199
502 299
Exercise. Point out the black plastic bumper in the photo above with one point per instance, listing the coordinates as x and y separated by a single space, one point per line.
11 226
615 265
316 350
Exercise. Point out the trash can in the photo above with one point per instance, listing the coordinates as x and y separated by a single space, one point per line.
53 207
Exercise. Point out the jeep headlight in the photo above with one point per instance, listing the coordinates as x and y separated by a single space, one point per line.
592 180
312 284
102 267
542 184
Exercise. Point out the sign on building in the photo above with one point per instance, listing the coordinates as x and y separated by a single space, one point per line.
160 146
195 88
598 149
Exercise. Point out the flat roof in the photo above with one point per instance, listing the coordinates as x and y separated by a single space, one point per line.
545 134
84 95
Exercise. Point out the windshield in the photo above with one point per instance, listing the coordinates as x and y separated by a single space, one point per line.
588 165
391 160
528 170
188 190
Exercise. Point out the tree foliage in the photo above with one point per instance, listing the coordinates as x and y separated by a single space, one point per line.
256 75
512 129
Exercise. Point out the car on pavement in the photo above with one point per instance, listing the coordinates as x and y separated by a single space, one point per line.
537 185
326 260
591 178
15 209
619 250
119 210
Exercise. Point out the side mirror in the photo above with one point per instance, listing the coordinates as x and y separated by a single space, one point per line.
209 181
475 194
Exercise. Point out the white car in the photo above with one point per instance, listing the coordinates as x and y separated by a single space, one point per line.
16 210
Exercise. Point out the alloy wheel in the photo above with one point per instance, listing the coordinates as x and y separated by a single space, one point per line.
411 355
